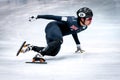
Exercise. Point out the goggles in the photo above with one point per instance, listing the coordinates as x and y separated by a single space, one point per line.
88 19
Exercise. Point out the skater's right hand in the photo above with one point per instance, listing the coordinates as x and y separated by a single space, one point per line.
32 18
79 49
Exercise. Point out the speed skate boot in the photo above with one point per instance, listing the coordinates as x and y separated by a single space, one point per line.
38 58
24 48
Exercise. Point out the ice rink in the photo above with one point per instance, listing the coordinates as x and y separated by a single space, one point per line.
101 41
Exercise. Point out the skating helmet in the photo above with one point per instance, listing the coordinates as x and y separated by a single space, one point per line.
84 13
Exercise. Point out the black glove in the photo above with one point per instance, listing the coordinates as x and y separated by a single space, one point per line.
79 49
32 18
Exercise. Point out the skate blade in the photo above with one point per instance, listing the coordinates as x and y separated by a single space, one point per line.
37 62
19 51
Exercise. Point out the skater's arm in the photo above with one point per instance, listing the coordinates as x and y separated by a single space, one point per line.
77 43
52 17
75 37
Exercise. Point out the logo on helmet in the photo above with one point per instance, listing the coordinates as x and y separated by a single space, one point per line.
81 14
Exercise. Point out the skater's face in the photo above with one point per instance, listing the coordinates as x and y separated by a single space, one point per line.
87 21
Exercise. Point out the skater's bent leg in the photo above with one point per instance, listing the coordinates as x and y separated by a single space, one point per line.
52 49
54 39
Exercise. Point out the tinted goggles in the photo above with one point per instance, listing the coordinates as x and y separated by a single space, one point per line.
88 19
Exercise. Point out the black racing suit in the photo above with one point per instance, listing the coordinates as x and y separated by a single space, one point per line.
55 30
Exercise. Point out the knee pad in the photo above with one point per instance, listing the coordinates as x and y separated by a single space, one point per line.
55 44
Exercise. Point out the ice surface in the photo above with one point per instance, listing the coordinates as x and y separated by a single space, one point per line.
101 41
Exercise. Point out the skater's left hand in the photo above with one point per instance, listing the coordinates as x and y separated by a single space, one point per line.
79 49
32 18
